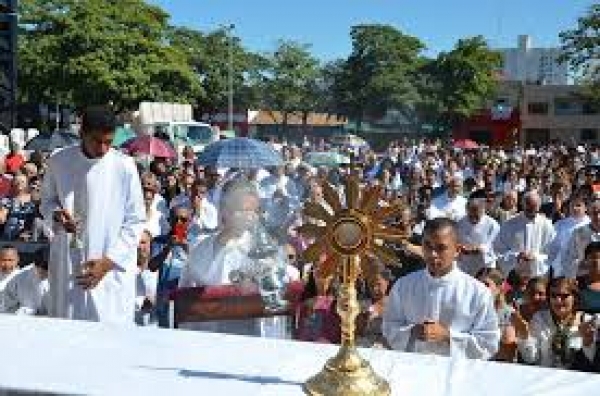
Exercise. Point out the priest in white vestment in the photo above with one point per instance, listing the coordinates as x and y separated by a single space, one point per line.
94 196
524 241
441 310
476 234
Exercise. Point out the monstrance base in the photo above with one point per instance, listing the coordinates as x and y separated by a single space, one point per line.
347 374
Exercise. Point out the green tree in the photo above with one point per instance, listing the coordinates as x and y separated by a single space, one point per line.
213 56
581 48
457 83
290 82
378 75
83 52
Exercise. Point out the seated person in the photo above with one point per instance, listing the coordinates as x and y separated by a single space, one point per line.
26 292
9 266
440 309
214 260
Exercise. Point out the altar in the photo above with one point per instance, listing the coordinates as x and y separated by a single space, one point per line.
67 357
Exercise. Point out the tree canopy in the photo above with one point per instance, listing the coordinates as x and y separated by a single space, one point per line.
581 48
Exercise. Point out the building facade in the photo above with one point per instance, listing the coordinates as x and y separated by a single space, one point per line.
533 65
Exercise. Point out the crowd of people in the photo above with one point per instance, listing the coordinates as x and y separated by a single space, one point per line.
502 260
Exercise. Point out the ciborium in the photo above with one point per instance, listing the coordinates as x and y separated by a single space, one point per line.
353 236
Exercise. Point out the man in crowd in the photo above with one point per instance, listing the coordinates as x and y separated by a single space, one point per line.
146 283
9 266
94 196
156 207
26 293
476 234
580 238
441 309
524 241
451 204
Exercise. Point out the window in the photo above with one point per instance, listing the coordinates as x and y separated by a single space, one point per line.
589 134
590 108
563 106
537 108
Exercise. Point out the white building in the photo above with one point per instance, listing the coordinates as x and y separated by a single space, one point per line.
534 65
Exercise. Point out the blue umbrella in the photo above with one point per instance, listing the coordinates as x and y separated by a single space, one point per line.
50 141
241 153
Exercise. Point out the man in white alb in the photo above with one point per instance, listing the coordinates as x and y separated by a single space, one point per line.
525 241
93 195
440 309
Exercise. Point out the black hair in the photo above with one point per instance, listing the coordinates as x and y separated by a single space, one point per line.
98 118
591 248
40 257
439 224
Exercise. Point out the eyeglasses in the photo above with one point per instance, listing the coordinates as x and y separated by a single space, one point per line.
291 256
182 218
562 296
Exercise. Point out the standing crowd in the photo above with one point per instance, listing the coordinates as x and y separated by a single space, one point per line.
502 260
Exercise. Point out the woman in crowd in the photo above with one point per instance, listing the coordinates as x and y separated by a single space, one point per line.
17 212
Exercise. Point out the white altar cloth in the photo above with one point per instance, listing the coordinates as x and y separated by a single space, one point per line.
59 356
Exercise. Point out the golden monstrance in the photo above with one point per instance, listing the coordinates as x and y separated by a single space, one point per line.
353 235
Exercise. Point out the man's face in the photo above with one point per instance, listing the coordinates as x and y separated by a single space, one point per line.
149 188
532 207
453 188
475 211
97 143
144 249
9 260
440 250
594 214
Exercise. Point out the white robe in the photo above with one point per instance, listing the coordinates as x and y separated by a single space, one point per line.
574 252
456 300
564 231
109 197
25 293
519 234
481 234
157 221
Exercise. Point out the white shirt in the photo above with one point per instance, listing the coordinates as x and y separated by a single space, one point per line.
481 234
106 194
25 293
452 208
456 300
564 231
158 219
520 234
537 348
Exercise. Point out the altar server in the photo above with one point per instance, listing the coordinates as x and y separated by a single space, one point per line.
524 241
93 195
476 234
440 309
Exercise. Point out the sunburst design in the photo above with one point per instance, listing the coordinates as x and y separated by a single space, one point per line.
355 227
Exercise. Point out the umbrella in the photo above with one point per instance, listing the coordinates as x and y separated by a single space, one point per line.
465 144
240 152
326 158
149 145
50 141
122 135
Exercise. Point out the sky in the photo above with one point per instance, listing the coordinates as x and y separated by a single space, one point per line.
325 24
